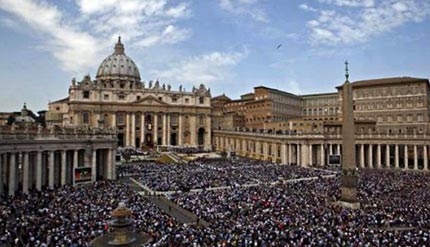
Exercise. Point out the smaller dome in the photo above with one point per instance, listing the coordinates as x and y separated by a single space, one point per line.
118 66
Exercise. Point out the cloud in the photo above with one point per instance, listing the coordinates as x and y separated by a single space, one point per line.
79 41
170 35
75 49
293 87
206 68
245 8
359 21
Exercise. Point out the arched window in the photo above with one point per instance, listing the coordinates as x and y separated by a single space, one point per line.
86 118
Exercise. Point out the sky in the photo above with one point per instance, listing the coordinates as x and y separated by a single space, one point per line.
231 46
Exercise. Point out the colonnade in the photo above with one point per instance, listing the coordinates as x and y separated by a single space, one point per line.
316 150
27 169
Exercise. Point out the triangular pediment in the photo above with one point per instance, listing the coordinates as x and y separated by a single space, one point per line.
149 100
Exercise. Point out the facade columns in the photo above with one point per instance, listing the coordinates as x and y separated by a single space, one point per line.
142 129
25 172
133 130
322 155
193 130
156 129
12 174
63 167
425 154
362 155
396 156
310 155
114 119
387 156
39 170
51 169
127 129
181 133
208 130
378 156
338 149
164 125
75 164
370 156
406 158
415 157
168 130
94 165
330 147
290 153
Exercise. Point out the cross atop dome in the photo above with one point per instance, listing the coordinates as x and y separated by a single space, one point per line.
119 47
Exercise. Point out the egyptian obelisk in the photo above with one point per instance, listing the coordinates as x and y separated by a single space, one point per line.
349 179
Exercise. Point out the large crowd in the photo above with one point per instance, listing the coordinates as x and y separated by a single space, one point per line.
394 212
205 173
394 208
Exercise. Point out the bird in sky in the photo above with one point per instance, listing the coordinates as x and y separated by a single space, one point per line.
279 46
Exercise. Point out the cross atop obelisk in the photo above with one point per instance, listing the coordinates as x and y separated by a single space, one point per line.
349 178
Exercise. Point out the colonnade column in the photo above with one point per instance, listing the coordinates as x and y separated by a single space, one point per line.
12 174
290 154
63 167
25 173
109 164
322 155
1 172
75 164
406 158
378 156
180 133
133 130
39 170
396 156
298 154
113 164
330 147
362 155
51 169
370 156
310 155
425 158
94 166
387 156
415 158
338 149
283 153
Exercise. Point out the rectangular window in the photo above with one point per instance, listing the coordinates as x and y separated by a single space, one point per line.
138 97
121 97
187 100
86 94
201 100
106 97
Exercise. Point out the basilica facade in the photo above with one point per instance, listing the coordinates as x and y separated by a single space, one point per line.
143 114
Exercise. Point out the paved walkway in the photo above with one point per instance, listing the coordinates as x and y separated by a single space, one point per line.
174 210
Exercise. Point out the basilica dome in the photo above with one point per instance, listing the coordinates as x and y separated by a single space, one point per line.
118 66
